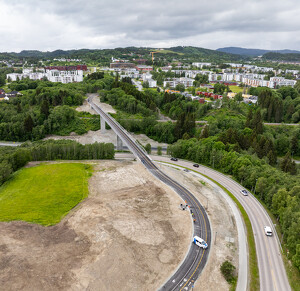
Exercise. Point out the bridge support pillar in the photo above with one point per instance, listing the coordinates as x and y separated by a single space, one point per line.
102 124
119 144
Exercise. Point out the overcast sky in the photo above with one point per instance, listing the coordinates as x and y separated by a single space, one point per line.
74 24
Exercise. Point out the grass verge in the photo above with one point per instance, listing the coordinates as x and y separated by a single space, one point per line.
44 194
253 267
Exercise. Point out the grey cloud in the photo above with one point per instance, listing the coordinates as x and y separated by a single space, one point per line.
132 22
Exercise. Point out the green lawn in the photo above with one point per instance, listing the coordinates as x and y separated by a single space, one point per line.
44 194
236 89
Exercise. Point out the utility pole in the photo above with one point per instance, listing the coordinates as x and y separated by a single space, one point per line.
255 186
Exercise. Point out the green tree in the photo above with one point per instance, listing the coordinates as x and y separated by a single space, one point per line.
45 108
159 150
28 124
228 271
180 87
288 165
146 84
5 171
148 148
238 97
2 80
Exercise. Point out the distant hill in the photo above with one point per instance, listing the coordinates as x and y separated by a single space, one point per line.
179 53
272 56
253 52
207 54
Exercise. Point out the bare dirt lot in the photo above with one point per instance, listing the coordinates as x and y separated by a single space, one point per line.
129 234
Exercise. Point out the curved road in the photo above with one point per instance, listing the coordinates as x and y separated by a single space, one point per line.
272 273
195 260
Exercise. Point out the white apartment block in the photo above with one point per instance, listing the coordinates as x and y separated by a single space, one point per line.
280 81
173 82
152 83
201 65
64 76
148 78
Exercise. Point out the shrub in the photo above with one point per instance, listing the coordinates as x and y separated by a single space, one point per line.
228 271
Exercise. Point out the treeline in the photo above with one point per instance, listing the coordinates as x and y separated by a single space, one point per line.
280 191
251 136
174 105
3 72
282 105
12 159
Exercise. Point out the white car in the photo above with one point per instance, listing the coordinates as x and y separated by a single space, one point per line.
200 242
244 192
268 231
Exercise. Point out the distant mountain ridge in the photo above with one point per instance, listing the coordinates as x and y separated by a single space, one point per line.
193 54
254 52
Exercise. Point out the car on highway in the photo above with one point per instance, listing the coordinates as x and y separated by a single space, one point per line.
200 242
174 159
186 170
244 192
196 165
268 231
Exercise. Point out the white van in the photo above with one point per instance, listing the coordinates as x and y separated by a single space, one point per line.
268 231
200 242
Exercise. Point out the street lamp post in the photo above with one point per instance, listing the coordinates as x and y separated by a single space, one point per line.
255 186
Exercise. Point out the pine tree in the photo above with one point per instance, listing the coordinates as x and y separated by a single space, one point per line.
288 165
249 118
45 108
28 124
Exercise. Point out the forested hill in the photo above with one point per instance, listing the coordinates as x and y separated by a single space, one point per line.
272 56
208 54
254 52
178 53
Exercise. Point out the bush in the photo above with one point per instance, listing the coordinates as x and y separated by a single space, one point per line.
159 150
148 148
228 271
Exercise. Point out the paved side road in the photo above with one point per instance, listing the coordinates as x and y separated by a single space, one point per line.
272 273
10 144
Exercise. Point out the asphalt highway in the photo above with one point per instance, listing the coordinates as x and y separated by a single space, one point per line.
195 260
272 273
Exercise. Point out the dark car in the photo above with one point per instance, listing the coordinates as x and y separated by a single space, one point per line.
174 159
196 165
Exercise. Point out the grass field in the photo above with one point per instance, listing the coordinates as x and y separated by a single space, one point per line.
236 89
44 194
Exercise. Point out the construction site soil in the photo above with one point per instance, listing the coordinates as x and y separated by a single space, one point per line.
129 234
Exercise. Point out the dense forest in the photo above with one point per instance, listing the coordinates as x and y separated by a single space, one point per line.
47 108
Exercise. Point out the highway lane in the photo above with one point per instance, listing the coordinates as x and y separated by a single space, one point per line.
271 269
195 260
10 144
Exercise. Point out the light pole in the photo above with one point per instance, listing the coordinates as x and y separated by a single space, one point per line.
255 186
213 161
